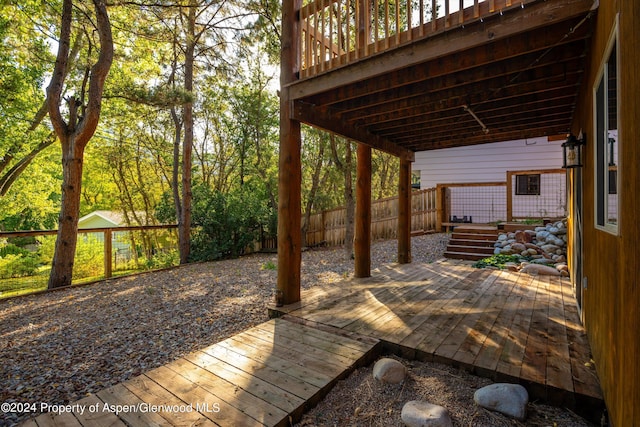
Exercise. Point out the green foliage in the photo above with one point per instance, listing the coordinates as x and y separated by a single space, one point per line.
12 249
225 224
163 259
498 260
18 265
89 259
270 265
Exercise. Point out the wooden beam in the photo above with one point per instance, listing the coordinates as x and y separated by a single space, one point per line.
535 16
561 64
321 118
290 173
404 213
362 244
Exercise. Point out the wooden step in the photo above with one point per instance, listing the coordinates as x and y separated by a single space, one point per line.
476 229
471 242
486 251
475 236
464 255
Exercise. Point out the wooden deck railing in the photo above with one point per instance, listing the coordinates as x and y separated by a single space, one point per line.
337 32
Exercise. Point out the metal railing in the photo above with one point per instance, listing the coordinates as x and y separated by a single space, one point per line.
25 256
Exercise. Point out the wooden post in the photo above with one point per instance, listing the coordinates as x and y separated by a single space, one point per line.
404 212
362 241
509 196
290 175
108 248
439 210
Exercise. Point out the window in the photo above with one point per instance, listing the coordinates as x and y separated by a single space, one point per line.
415 180
528 185
607 141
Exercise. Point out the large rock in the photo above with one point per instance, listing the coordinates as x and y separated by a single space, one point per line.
389 371
540 270
418 413
523 237
518 247
508 399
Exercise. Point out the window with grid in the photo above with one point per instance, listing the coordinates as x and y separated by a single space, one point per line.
528 185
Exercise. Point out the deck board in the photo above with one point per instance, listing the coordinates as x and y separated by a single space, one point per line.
504 325
264 376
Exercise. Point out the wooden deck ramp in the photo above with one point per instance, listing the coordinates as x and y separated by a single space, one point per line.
265 376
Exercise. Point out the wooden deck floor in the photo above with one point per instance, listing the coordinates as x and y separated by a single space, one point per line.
260 377
507 326
499 324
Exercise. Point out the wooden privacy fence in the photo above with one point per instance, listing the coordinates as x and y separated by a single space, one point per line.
337 32
329 227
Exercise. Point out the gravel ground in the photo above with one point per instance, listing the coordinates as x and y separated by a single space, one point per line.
360 400
58 347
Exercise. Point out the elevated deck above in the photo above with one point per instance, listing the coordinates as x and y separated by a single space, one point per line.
428 74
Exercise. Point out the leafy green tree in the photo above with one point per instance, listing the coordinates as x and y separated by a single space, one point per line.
74 132
24 62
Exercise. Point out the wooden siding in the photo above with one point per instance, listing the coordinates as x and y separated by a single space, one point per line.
611 298
486 162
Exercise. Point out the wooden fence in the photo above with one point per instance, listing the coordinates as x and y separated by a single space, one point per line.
329 227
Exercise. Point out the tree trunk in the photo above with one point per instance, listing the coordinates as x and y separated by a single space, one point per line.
65 248
349 202
75 133
184 223
346 167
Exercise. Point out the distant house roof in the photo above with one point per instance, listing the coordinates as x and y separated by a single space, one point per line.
97 219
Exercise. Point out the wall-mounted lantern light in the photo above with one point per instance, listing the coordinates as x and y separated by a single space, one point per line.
572 151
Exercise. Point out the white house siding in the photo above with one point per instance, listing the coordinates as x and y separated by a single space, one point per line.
550 203
486 162
490 163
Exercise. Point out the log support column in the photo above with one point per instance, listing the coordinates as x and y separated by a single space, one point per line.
404 212
290 174
362 241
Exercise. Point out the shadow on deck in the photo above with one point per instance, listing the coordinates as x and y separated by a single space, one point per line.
502 325
506 326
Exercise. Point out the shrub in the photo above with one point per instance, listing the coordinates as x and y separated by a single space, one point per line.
12 265
498 260
89 259
225 224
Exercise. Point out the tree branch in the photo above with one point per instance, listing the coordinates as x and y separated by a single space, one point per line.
99 73
54 90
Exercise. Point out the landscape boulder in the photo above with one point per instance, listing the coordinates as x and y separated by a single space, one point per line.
418 413
389 371
508 399
546 246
